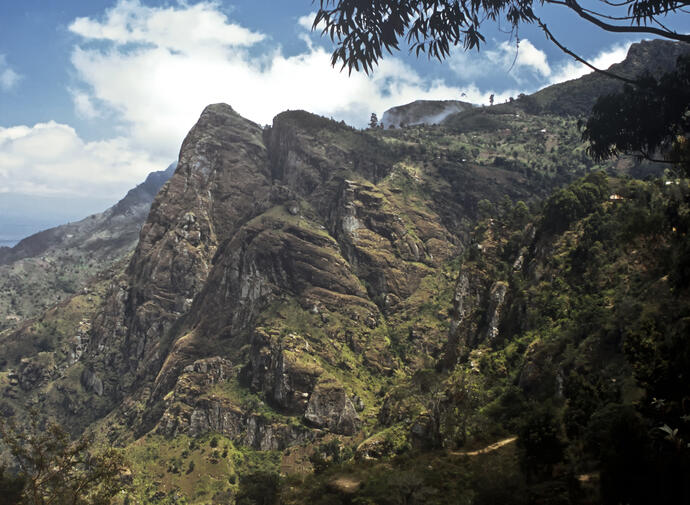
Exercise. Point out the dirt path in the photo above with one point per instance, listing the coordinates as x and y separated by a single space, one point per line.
487 449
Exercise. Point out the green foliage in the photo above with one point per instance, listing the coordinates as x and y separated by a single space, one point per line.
330 453
567 205
648 117
259 488
55 470
541 440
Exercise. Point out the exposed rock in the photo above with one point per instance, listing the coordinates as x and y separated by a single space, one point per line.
193 412
92 382
496 299
422 112
281 369
329 407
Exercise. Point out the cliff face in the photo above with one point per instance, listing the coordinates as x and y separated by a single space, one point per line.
308 282
305 254
299 259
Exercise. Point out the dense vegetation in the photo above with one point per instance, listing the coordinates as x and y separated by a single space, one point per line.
592 380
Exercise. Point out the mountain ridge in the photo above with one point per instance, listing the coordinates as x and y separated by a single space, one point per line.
55 263
321 291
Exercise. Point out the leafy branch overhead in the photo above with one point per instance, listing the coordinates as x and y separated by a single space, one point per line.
363 29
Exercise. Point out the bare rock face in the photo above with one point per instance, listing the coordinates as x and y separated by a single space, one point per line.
264 296
279 369
329 407
422 112
219 179
200 403
497 297
253 221
390 253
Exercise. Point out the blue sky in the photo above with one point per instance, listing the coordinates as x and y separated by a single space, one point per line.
95 94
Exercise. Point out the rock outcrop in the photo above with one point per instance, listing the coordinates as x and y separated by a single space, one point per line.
329 407
428 112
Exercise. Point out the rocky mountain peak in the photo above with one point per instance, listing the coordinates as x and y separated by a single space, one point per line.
654 56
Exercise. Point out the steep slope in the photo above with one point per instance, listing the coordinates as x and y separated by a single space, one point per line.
569 332
308 232
54 264
576 97
307 295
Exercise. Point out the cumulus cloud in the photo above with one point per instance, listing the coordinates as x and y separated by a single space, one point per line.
8 77
520 57
523 63
51 159
603 60
307 21
158 86
189 29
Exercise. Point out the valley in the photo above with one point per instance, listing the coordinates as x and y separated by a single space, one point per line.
472 311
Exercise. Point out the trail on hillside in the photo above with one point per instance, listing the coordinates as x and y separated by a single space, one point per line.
487 449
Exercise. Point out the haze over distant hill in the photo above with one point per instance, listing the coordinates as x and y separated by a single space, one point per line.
23 215
53 264
429 112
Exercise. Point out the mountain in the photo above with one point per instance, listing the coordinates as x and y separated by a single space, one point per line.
54 264
422 112
576 97
471 312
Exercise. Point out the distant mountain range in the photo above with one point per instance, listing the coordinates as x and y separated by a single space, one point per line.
49 266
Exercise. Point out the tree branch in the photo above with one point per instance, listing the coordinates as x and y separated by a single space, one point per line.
575 7
550 36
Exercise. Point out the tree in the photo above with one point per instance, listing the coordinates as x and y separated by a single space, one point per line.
260 487
363 30
373 121
541 441
650 120
56 471
11 486
491 99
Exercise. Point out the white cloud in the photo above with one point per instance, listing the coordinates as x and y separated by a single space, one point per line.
603 60
529 66
307 21
83 105
524 64
159 87
8 77
189 29
520 57
50 158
